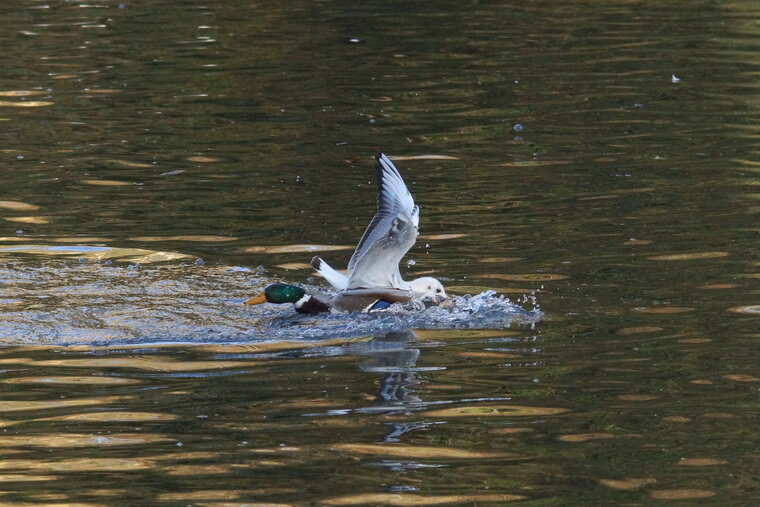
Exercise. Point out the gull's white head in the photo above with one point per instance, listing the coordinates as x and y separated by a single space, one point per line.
427 286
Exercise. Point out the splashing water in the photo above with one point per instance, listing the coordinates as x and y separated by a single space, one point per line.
74 303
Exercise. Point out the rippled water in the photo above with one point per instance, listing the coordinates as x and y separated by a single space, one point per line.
595 163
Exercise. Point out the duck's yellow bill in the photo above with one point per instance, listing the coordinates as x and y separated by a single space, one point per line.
256 300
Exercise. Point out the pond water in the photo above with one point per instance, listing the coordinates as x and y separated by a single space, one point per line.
594 162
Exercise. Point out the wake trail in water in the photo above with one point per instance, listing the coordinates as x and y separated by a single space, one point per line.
68 304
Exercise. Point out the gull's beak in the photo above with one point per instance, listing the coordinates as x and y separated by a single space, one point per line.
256 300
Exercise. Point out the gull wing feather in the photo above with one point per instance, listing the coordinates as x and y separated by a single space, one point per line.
390 234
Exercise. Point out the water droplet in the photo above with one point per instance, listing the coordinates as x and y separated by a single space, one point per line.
199 262
411 262
518 127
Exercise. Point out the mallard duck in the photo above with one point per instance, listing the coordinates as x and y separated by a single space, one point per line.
388 237
349 300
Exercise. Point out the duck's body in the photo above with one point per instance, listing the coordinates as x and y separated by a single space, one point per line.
349 300
388 237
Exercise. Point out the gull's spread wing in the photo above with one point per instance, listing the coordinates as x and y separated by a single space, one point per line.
390 234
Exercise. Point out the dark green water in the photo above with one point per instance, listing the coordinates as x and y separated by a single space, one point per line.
140 136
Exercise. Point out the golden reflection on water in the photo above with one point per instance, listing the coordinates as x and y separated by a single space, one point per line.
110 416
79 440
26 478
499 260
636 397
26 103
96 253
739 377
150 363
435 237
664 309
197 469
700 462
190 238
694 341
107 183
202 159
415 451
88 380
78 239
208 494
295 248
21 93
628 483
626 331
527 277
747 309
689 256
585 437
681 494
18 206
495 411
127 163
422 157
20 405
273 346
414 499
718 286
28 220
294 265
78 465
14 239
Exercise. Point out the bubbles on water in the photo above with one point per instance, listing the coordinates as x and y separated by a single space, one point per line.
199 262
518 127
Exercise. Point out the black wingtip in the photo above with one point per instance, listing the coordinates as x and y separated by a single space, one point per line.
316 263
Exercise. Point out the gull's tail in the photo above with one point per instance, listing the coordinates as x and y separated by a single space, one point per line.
337 279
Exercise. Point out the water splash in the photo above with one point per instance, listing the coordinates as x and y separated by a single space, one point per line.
74 303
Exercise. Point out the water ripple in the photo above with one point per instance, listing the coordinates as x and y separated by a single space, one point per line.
97 304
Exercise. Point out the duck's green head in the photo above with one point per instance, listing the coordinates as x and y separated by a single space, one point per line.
278 293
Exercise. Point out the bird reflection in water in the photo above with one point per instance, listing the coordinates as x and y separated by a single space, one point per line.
394 357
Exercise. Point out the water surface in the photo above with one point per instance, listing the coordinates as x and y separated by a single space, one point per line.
163 160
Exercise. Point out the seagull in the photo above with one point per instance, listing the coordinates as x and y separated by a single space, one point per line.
388 237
